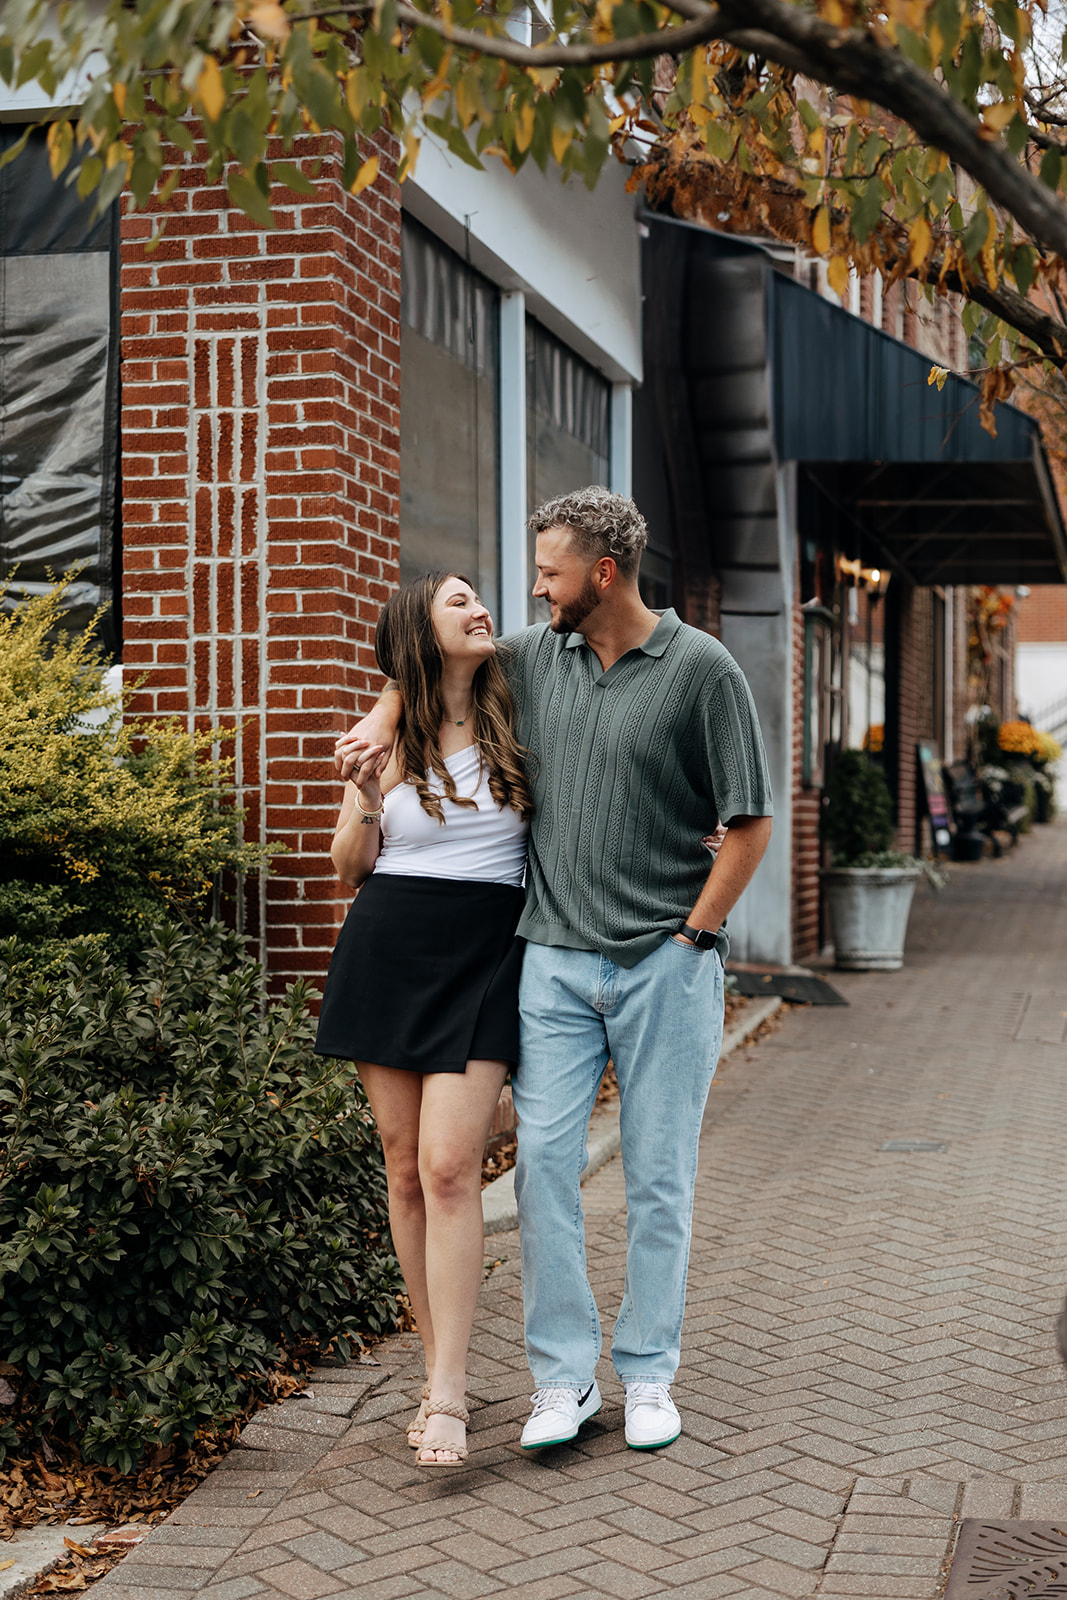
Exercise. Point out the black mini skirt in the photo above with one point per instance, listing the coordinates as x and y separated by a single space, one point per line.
425 975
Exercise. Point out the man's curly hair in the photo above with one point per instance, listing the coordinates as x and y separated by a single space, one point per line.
601 524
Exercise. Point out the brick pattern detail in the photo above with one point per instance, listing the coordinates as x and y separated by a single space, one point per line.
261 483
908 690
1041 618
806 805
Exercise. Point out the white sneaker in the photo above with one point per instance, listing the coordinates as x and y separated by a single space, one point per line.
558 1414
652 1418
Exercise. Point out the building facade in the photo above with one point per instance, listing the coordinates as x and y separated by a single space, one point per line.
285 423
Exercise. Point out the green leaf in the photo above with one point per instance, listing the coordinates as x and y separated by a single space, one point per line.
942 185
1049 171
1017 135
456 140
111 186
289 173
969 74
249 198
89 175
955 217
976 233
246 141
808 115
970 317
1022 266
867 209
33 63
719 140
16 149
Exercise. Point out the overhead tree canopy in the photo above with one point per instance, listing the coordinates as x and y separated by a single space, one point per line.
925 138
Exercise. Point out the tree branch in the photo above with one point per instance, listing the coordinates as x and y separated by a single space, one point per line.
854 64
705 25
691 184
1049 336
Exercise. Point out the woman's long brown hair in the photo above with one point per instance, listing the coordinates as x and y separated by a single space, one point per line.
405 644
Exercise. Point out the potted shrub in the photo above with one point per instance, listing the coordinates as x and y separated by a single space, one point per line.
869 886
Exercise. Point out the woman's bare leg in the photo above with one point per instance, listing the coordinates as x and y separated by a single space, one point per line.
396 1100
457 1110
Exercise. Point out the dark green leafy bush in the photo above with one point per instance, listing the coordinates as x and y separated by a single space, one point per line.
857 818
184 1187
105 828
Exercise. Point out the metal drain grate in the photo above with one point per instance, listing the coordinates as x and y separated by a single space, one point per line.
1009 1561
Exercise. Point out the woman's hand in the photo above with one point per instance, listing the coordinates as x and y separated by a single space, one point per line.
379 728
360 767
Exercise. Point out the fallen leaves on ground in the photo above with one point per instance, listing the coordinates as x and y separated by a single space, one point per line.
54 1485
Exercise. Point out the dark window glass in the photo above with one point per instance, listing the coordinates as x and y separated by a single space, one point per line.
568 426
449 400
58 387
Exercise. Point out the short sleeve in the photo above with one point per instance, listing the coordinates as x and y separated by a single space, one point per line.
737 761
516 652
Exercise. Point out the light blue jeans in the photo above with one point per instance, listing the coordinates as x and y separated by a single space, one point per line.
661 1023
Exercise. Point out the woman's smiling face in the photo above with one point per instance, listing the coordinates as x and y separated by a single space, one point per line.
463 626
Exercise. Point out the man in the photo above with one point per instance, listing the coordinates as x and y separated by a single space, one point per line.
642 737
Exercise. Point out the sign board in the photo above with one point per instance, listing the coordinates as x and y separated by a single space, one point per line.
934 790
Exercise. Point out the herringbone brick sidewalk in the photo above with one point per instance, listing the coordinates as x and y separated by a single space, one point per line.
868 1350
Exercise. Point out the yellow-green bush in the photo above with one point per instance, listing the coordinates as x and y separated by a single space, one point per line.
102 829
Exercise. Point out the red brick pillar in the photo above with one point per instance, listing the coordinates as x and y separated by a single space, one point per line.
807 808
260 462
908 719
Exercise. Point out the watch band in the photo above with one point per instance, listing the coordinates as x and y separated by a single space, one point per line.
703 938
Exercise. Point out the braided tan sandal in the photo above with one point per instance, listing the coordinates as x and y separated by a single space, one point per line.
446 1408
417 1425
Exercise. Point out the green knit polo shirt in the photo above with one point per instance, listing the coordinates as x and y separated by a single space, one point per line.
630 769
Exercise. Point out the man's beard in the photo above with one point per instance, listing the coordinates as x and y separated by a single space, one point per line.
570 617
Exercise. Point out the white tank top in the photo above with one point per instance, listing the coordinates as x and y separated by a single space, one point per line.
487 845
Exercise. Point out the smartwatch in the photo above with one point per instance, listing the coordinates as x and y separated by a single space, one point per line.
703 938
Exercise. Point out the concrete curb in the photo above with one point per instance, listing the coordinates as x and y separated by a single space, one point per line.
499 1211
36 1551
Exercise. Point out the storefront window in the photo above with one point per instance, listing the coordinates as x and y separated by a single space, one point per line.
59 389
818 695
865 636
568 417
449 429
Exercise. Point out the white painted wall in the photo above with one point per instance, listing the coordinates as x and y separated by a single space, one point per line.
573 253
1040 676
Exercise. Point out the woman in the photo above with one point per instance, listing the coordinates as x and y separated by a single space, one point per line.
422 990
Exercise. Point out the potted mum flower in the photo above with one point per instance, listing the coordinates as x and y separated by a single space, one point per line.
869 886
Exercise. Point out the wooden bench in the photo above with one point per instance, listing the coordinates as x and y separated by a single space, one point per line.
973 813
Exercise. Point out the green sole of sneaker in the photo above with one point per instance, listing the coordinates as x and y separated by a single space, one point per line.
546 1444
660 1444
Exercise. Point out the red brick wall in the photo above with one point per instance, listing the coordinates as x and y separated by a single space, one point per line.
913 670
806 806
260 461
1041 617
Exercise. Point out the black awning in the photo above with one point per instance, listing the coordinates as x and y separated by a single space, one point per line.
964 522
751 369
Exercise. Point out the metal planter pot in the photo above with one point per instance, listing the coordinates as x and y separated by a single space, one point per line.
869 909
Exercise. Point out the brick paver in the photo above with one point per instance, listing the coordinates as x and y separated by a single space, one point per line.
868 1354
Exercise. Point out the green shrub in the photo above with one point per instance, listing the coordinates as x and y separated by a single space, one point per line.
184 1186
857 818
102 830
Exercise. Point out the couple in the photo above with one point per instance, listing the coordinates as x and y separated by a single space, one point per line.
617 739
